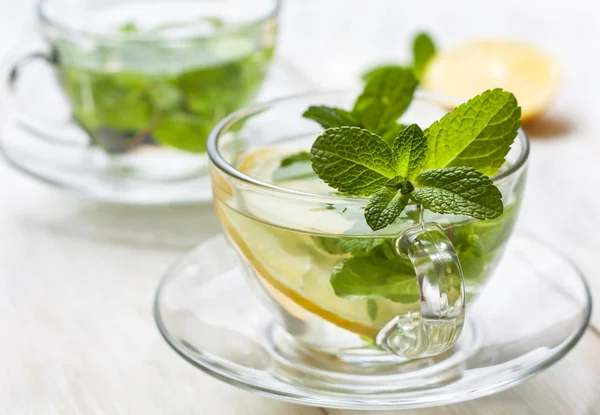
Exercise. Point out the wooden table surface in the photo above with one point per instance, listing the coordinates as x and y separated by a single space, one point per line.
77 277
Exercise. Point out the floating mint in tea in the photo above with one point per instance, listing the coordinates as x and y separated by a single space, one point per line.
340 246
295 158
478 133
458 190
147 93
181 129
294 167
423 52
372 309
374 277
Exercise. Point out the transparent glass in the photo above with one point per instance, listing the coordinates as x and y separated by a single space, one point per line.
147 81
292 239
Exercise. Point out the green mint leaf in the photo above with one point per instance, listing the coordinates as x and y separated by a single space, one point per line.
372 309
372 278
341 246
330 117
367 76
423 51
477 134
384 207
165 97
128 27
352 160
297 171
182 130
294 167
458 190
390 133
295 158
410 151
472 256
385 98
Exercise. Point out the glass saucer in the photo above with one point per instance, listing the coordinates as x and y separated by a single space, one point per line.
58 154
534 310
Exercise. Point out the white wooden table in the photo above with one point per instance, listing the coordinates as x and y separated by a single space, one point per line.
77 277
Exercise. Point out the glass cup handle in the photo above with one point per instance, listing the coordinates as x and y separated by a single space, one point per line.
44 132
442 295
51 58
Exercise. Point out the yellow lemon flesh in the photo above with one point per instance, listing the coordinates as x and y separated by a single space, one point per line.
468 70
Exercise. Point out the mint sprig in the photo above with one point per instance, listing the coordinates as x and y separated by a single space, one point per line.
385 98
358 162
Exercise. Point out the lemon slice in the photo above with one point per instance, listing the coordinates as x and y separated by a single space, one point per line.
294 271
466 71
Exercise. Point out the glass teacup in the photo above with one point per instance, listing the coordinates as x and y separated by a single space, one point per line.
147 81
300 243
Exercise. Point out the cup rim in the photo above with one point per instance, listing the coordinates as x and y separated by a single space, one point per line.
220 162
67 32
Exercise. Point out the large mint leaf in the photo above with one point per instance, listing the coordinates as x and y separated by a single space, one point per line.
330 117
458 190
373 277
384 207
386 96
410 151
423 51
477 134
352 160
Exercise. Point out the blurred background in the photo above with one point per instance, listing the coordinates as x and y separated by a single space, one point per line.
58 245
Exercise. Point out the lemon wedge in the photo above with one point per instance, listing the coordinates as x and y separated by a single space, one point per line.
290 266
467 70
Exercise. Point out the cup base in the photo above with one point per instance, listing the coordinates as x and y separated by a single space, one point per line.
364 370
533 311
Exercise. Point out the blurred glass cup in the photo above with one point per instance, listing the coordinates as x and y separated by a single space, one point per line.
146 81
